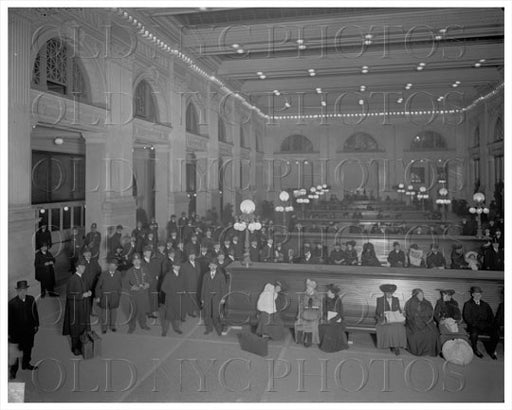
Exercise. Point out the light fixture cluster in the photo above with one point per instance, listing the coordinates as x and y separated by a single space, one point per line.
408 86
144 32
277 93
301 44
421 66
456 84
312 72
479 62
368 39
261 75
440 34
238 48
364 69
362 88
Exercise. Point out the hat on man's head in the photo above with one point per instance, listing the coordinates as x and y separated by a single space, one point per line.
434 246
148 248
396 243
352 243
457 246
161 243
177 263
447 291
119 227
135 256
333 288
475 289
82 261
114 261
414 246
94 225
214 261
387 287
21 284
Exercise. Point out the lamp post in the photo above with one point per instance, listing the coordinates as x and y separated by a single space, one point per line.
422 195
301 198
249 223
401 191
410 193
443 201
284 197
478 210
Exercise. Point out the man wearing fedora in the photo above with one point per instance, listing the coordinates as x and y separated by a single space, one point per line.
23 325
480 320
396 257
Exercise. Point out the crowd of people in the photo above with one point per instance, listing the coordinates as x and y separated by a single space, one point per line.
192 260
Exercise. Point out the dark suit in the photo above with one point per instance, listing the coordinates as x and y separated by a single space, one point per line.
396 259
173 286
77 311
480 320
212 292
23 325
191 276
493 260
45 274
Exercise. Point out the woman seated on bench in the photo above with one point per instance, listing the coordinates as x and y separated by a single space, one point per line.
390 321
422 334
310 313
332 331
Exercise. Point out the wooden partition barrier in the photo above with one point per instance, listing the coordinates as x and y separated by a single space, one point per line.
359 288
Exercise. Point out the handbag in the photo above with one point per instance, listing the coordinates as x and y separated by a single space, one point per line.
394 316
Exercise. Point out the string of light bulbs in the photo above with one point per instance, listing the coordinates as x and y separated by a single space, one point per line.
144 32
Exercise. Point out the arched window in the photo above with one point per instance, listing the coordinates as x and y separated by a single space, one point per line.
243 138
221 130
56 69
476 137
498 130
296 143
143 102
428 140
360 142
191 120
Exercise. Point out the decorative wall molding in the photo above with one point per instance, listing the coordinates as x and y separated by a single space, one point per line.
150 132
225 149
196 142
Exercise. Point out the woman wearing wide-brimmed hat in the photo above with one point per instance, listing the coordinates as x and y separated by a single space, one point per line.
332 331
390 321
421 329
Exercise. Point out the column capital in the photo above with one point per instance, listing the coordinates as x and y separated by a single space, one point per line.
94 137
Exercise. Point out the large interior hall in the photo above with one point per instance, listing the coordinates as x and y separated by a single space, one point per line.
302 203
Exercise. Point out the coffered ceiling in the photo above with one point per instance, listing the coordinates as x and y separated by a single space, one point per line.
289 60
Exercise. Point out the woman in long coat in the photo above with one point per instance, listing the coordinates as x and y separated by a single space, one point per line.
310 313
77 311
45 273
332 332
422 334
448 316
389 334
108 295
269 321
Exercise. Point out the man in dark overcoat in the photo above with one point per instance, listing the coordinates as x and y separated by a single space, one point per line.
480 320
191 271
153 267
108 295
93 241
173 286
77 310
23 325
213 292
91 275
396 257
45 273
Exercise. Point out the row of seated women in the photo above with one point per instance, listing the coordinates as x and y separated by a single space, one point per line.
420 328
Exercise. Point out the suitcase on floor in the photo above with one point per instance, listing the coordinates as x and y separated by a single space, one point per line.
252 343
87 346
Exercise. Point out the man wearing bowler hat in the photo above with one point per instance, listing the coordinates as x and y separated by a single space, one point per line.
396 257
480 320
23 325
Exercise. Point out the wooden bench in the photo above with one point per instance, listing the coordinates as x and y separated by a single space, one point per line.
359 289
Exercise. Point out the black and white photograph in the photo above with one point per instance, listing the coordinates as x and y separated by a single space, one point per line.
240 203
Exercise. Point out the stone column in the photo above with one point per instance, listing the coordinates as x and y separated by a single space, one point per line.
162 175
22 221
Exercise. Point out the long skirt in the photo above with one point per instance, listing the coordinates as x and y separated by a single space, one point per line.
391 335
333 337
424 342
